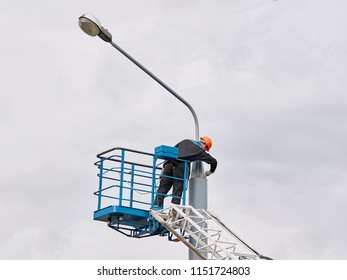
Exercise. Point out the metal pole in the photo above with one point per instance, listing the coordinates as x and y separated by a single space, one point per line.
163 85
197 183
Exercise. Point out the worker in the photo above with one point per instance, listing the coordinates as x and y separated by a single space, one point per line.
189 150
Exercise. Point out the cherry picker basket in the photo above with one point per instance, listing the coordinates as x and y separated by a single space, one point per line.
128 183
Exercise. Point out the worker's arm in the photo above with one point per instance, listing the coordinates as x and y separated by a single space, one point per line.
206 157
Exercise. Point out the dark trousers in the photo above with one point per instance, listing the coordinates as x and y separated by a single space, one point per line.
171 169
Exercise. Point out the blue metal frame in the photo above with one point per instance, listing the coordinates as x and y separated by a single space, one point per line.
127 188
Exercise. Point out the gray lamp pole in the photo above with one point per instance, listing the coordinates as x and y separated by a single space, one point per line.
92 26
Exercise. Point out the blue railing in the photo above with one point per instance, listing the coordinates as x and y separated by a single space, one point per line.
128 183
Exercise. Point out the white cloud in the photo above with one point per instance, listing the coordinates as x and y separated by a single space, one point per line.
266 79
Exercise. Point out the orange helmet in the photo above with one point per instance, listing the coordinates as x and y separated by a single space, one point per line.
207 140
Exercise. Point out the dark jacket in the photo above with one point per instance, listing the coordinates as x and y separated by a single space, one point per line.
192 151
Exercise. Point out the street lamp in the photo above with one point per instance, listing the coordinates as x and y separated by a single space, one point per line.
92 26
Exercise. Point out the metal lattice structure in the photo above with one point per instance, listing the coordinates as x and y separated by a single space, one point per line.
204 234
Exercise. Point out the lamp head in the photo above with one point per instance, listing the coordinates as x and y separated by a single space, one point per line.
89 24
92 26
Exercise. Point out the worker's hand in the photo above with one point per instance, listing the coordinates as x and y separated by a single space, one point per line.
208 173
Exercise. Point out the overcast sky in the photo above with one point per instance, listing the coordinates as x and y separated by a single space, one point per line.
266 78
